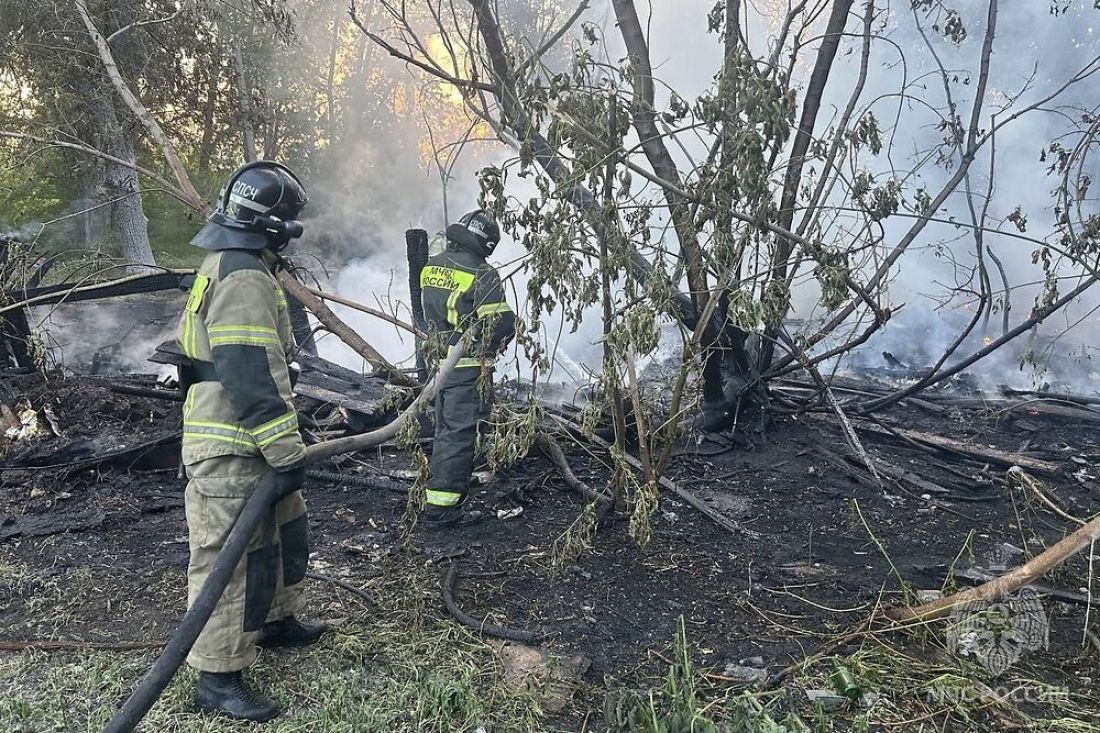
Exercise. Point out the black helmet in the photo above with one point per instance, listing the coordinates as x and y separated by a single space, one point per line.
257 208
477 232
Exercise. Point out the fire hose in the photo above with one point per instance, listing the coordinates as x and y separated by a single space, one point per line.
158 677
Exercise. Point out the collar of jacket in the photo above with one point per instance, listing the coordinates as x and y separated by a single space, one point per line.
275 262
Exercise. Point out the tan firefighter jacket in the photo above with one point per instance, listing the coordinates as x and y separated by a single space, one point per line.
236 329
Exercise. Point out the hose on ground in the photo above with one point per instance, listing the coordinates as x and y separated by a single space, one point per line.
450 578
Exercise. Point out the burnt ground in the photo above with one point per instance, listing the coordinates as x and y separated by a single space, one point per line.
803 567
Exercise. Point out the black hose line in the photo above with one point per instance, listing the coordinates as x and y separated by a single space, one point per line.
350 479
447 587
160 674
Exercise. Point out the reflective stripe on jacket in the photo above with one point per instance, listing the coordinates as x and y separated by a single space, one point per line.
236 318
458 289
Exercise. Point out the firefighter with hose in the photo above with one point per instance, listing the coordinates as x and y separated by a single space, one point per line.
238 424
458 290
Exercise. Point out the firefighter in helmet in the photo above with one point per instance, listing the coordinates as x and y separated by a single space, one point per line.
460 290
238 424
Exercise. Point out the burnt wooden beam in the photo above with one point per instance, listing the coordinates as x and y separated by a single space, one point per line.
974 452
74 292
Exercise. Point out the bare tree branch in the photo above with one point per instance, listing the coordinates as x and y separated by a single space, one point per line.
153 21
171 188
652 141
553 38
151 125
432 69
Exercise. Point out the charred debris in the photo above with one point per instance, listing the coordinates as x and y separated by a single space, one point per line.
59 428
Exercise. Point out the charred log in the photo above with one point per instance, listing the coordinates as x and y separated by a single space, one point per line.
416 246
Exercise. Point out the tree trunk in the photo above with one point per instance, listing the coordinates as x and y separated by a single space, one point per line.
122 187
727 370
206 147
811 105
152 127
244 102
653 145
271 139
94 220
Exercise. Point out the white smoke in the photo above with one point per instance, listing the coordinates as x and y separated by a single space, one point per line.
369 220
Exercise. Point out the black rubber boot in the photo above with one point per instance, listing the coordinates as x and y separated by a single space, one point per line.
290 631
229 694
452 516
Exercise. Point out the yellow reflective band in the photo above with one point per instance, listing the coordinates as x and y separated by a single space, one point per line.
271 431
222 438
189 337
217 425
246 335
275 423
490 308
438 497
198 290
185 335
195 335
271 439
245 327
243 340
218 431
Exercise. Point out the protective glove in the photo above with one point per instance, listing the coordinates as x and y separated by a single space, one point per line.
288 480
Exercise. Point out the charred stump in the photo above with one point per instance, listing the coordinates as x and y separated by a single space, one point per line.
15 332
734 395
416 247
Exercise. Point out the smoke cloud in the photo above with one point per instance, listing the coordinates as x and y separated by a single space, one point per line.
369 191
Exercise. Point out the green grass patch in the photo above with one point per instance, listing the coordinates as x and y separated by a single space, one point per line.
392 666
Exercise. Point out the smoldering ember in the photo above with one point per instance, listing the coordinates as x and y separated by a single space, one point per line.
645 366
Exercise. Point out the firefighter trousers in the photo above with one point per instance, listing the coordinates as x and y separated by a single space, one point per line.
460 408
267 583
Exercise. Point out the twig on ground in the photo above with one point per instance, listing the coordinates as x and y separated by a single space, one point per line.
695 502
1030 483
553 451
342 584
830 647
1005 584
845 424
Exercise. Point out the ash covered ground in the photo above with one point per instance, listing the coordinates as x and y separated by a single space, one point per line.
95 551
